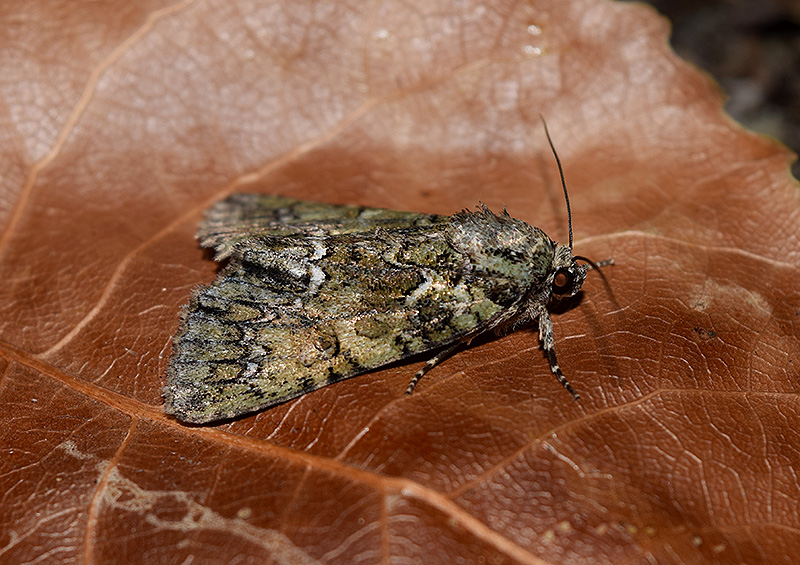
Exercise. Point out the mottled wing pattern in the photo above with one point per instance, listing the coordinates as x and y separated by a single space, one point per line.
316 293
243 216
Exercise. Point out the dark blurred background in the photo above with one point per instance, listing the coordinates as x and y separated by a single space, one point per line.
752 49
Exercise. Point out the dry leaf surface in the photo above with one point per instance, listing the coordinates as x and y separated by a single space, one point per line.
123 121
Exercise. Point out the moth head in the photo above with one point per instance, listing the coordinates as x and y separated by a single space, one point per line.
567 275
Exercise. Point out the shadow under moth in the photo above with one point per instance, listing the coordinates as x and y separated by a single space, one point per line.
315 293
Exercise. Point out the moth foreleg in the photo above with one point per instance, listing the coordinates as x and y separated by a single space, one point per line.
431 363
596 265
548 344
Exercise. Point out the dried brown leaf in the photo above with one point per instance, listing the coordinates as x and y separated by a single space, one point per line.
123 121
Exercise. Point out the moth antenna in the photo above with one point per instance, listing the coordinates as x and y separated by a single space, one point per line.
594 265
563 182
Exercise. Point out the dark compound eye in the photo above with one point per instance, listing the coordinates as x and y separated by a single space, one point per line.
562 282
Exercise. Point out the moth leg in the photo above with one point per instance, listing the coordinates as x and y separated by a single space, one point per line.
596 265
548 344
438 358
600 264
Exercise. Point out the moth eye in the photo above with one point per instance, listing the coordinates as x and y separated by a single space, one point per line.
562 282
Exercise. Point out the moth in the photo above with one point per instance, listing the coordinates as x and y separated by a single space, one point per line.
315 293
